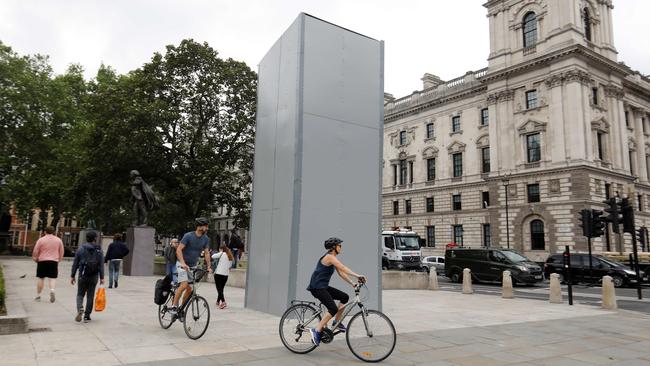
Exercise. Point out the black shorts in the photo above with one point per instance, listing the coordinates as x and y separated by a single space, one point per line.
327 297
49 269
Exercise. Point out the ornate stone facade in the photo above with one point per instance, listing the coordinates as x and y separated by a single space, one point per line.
555 113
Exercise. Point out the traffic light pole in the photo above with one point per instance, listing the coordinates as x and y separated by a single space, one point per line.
591 270
567 273
636 267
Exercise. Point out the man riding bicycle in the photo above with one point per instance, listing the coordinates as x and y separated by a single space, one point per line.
320 288
187 255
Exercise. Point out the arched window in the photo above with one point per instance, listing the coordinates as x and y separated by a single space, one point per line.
586 19
530 29
537 235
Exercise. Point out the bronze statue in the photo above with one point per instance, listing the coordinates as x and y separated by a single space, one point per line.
144 199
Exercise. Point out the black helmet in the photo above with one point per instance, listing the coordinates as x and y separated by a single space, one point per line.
201 221
332 242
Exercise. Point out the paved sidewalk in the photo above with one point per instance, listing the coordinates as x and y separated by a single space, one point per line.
435 328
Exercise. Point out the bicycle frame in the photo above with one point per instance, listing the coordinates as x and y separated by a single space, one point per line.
193 288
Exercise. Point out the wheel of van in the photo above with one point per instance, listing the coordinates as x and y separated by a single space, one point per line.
618 281
455 277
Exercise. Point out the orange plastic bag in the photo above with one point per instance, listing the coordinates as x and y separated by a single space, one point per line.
100 299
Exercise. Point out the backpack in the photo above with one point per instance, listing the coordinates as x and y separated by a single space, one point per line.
92 263
162 290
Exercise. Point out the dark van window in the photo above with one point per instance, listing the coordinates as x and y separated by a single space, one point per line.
476 254
497 256
388 242
576 261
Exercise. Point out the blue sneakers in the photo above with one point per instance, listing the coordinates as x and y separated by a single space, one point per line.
341 328
315 336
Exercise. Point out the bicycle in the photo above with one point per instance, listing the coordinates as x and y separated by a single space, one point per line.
370 334
191 313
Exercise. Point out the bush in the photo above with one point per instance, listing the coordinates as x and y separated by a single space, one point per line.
3 310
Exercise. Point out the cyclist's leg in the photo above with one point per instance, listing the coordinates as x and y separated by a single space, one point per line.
326 298
342 297
183 280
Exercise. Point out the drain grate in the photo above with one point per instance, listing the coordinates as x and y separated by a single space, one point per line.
38 330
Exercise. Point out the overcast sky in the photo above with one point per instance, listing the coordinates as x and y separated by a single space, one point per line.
442 37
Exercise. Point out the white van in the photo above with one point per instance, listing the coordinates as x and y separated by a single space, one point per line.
401 250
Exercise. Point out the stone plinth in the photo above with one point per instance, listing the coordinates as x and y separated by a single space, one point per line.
555 294
467 281
507 291
433 279
140 241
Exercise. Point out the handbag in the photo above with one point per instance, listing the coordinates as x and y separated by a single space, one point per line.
100 299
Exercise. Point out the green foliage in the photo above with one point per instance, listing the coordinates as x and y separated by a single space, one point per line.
185 120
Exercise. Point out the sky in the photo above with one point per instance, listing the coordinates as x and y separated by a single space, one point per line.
442 37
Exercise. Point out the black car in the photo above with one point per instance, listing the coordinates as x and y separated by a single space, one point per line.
489 264
600 266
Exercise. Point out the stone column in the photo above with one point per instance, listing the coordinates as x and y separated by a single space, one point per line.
639 136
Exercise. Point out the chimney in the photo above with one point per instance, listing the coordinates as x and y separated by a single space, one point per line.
430 81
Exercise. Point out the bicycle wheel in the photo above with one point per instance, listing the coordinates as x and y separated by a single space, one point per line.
197 317
164 318
294 327
371 339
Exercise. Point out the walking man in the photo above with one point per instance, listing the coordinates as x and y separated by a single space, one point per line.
88 260
170 259
117 250
235 244
47 254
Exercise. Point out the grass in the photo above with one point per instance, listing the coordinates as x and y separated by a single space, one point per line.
3 310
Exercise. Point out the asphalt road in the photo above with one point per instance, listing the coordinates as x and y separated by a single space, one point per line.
582 294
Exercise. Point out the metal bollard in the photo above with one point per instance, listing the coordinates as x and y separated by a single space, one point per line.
555 294
433 279
507 291
609 294
467 281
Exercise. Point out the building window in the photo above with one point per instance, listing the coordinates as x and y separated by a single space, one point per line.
608 189
587 24
533 148
407 206
431 236
537 235
395 207
594 96
402 138
485 160
458 234
402 172
431 169
394 174
410 172
455 124
458 164
627 119
608 243
485 119
67 222
631 155
429 130
533 193
430 206
531 99
640 202
485 197
601 154
456 202
645 131
530 29
487 237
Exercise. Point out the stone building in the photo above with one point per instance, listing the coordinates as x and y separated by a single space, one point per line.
555 118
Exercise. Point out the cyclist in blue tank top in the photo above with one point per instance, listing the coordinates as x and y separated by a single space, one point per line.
320 288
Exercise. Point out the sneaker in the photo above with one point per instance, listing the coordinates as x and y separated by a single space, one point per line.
315 336
115 284
224 305
110 286
87 318
78 317
52 296
173 311
341 328
37 298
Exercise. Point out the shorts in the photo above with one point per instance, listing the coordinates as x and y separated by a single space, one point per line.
49 269
183 275
327 297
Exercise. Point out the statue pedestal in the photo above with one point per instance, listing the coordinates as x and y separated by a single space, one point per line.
140 241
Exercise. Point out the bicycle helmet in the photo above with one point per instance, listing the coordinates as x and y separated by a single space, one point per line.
332 242
201 221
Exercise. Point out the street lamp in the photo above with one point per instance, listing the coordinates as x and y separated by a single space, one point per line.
506 180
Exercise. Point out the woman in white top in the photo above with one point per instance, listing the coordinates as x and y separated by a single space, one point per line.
225 258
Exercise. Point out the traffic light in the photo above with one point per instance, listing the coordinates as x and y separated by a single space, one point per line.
613 214
597 224
628 216
641 235
584 221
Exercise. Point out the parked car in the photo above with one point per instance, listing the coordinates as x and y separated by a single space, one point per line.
600 266
489 264
433 261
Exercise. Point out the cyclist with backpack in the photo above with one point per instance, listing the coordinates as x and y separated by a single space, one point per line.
89 261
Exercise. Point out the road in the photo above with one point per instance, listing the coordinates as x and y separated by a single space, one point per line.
582 294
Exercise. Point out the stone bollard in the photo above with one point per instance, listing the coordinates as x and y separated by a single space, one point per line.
555 294
433 279
609 294
467 281
507 291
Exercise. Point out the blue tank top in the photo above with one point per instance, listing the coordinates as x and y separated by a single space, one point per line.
321 276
